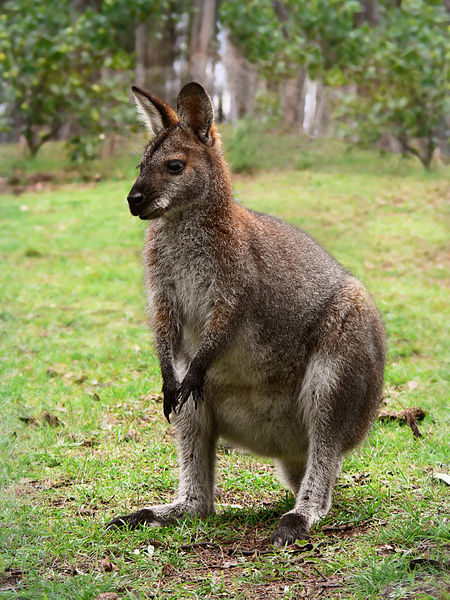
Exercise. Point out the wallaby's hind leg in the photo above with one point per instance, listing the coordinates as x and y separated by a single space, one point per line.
196 457
340 394
337 403
319 401
314 496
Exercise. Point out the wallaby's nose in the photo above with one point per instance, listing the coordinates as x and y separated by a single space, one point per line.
135 198
135 202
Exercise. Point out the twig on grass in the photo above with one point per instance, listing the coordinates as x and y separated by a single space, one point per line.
410 415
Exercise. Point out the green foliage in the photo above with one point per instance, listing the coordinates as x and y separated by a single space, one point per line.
397 65
318 34
403 83
51 62
246 146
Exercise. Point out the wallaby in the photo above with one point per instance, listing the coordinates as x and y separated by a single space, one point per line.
263 338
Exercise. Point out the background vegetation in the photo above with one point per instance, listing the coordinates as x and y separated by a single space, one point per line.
371 71
328 107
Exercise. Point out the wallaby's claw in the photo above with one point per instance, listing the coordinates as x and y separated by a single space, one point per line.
196 396
170 402
182 397
291 527
167 410
184 392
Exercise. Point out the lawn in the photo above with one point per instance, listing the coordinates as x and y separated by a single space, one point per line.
83 438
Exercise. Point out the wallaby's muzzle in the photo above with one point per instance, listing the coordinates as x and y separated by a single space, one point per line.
143 206
136 201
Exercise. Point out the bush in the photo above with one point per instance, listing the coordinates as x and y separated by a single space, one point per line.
244 147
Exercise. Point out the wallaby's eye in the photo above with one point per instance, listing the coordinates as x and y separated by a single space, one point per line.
175 166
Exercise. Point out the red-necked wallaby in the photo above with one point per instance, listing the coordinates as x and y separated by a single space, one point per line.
263 338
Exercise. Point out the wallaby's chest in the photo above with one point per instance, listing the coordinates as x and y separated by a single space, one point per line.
181 266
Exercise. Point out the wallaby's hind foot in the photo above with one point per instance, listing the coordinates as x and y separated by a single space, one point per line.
133 520
160 515
291 527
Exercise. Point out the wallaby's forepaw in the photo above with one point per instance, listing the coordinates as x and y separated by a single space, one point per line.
133 520
191 384
170 395
291 527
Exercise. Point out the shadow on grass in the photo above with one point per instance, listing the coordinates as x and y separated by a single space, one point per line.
268 514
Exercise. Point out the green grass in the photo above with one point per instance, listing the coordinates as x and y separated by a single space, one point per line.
75 343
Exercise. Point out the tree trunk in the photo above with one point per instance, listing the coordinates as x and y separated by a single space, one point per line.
293 100
203 33
242 78
322 119
370 13
156 50
140 45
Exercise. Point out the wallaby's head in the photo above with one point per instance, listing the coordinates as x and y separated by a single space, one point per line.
178 164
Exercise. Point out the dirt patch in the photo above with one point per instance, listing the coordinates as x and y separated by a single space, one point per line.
425 586
228 567
10 579
30 487
19 182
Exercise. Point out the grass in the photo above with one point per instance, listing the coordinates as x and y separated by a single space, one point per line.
75 346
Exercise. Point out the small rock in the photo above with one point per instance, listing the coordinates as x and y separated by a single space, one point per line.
130 436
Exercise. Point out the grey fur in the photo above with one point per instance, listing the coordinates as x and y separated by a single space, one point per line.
280 348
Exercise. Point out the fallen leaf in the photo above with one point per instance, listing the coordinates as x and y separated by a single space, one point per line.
387 549
412 385
29 420
13 573
56 370
106 565
228 564
426 562
60 370
442 477
92 393
168 570
108 596
130 436
152 397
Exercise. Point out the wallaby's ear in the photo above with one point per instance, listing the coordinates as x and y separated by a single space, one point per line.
196 112
156 114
